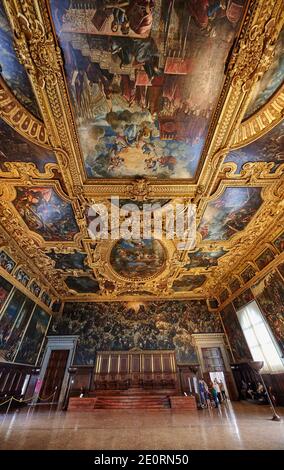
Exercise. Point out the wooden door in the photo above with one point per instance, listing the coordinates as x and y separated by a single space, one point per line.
54 375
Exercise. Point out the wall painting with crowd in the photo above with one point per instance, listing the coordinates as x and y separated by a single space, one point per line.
118 326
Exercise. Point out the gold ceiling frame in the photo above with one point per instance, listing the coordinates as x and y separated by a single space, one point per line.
252 171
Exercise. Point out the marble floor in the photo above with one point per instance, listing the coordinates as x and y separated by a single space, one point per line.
234 426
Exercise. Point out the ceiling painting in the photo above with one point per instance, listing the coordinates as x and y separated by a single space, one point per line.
12 70
230 212
83 284
69 261
46 213
15 148
188 283
203 259
144 80
138 259
269 148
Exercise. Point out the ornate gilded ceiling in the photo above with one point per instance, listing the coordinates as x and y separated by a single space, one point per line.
163 102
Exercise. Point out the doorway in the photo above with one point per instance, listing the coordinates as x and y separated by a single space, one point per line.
220 378
54 374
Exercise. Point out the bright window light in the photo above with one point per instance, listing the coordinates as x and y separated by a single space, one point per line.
260 339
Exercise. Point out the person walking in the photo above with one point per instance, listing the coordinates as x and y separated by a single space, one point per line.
222 389
214 394
216 386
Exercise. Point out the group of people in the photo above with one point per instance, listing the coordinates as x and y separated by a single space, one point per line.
256 391
213 394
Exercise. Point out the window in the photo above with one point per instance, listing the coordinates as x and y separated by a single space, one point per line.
259 338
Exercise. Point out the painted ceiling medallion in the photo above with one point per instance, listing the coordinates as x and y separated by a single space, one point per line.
138 259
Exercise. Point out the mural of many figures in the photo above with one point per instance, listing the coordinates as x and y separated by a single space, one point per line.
46 213
144 77
5 289
138 259
230 212
269 148
15 148
121 326
22 326
31 344
12 71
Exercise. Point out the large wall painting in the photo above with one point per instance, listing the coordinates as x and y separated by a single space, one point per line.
144 78
271 80
269 293
5 289
235 335
118 326
12 71
9 316
269 148
264 259
34 335
230 213
279 242
248 273
138 259
46 213
14 148
15 337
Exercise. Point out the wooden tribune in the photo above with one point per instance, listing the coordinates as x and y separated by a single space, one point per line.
134 379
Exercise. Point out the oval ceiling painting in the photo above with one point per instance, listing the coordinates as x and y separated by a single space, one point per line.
138 259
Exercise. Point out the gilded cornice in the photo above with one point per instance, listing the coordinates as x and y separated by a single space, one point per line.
261 122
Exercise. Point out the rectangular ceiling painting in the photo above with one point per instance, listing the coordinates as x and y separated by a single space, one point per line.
144 77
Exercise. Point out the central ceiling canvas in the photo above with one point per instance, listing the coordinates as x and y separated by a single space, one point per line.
144 77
